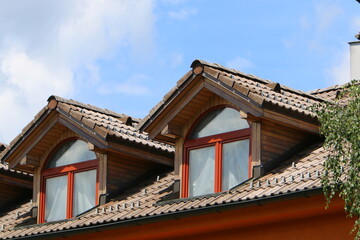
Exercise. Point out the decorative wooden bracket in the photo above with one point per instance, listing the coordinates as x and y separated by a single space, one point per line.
172 130
30 160
243 114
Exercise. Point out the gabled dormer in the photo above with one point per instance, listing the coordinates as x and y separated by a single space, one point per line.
81 155
228 126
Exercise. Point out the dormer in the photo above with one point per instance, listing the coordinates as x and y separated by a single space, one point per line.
228 127
81 156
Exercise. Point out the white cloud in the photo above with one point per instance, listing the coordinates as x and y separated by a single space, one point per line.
26 84
326 13
315 27
240 64
176 59
339 73
356 24
134 86
175 2
182 14
51 47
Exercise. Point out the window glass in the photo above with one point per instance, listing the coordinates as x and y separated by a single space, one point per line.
84 191
220 120
56 189
235 163
201 171
71 152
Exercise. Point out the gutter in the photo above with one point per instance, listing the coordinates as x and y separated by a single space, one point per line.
174 215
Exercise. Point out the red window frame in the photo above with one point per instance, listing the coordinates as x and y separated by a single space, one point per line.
69 171
216 140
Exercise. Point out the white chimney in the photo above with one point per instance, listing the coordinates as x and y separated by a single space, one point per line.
355 59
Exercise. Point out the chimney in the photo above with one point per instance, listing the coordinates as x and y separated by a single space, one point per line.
355 58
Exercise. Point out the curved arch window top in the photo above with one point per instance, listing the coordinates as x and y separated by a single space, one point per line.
217 153
73 151
218 121
69 181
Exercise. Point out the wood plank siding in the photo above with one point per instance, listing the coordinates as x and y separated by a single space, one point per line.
276 139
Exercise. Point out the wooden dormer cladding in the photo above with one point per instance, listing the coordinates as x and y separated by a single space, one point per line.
213 100
279 116
124 155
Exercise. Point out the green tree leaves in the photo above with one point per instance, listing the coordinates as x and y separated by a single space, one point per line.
340 125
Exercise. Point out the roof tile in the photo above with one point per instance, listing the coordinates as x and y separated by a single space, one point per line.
258 89
272 184
103 122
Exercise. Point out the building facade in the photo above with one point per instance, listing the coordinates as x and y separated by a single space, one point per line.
224 155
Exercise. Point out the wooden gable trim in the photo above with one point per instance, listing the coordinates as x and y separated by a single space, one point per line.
100 144
238 91
161 125
174 110
86 132
291 121
141 154
147 122
30 140
246 105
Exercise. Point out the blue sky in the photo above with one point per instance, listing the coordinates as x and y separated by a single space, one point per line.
125 55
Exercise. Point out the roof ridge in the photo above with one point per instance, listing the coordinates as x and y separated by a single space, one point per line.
333 87
327 89
230 70
90 107
253 77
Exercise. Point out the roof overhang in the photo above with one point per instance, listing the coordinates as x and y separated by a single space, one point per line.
24 152
197 86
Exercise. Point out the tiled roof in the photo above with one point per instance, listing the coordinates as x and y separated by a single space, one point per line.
109 124
329 93
300 173
103 123
90 107
254 89
332 92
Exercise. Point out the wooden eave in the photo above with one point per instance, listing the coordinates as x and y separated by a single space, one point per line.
291 119
134 151
21 146
16 179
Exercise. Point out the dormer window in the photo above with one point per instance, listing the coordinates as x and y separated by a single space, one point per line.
69 181
216 153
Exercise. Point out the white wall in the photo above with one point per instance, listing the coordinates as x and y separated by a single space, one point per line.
355 60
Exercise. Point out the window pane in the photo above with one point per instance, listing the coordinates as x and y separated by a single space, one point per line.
201 171
56 189
70 152
84 191
235 163
219 121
